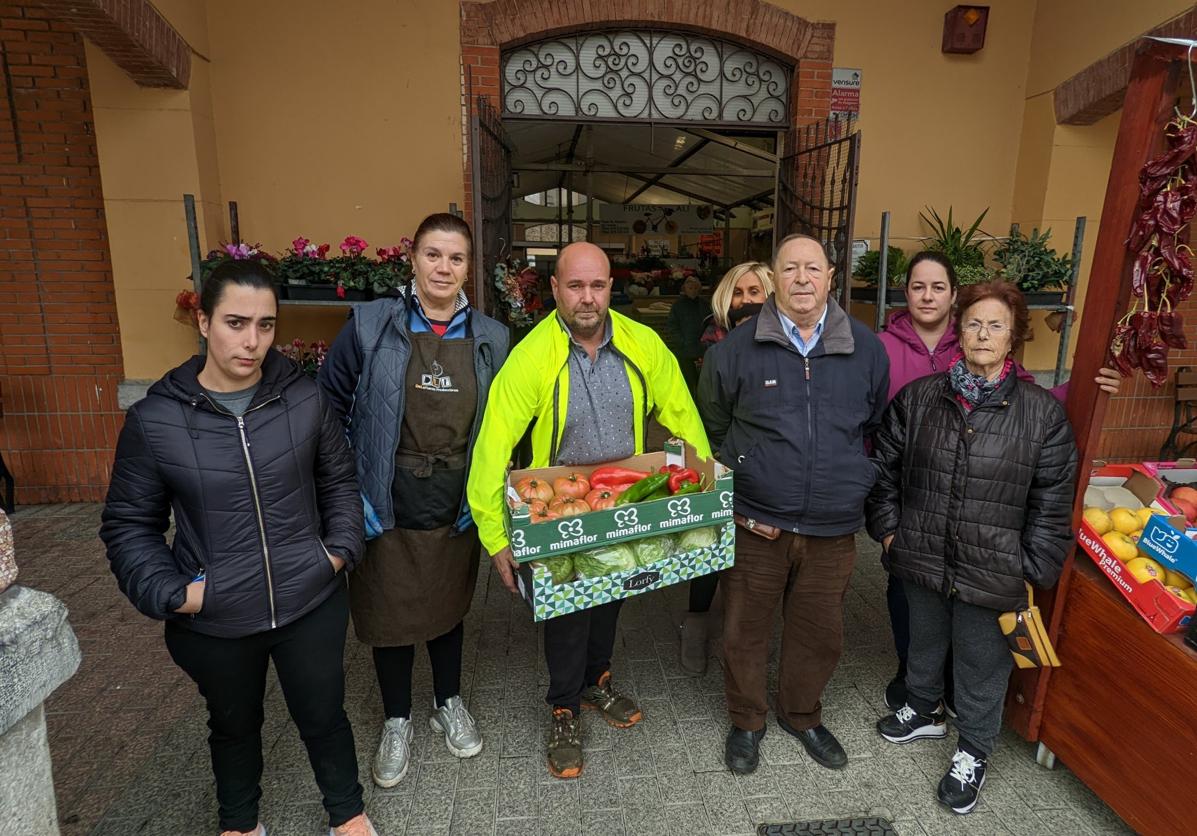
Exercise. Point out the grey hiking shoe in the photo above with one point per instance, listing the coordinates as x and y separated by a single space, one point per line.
394 752
461 733
564 751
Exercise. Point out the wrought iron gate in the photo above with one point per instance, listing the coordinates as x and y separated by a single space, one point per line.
490 159
816 190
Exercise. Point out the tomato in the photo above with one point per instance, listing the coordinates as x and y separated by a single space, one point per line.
567 506
600 499
544 514
530 488
573 485
536 506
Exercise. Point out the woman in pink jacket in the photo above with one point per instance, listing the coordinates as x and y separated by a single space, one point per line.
921 340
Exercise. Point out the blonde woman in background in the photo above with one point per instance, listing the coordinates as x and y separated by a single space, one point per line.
737 298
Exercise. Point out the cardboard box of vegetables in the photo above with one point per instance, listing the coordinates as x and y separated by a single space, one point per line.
594 534
566 583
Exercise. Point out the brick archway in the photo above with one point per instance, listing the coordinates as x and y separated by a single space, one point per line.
489 27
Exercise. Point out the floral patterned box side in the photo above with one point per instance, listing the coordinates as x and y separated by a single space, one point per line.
8 557
549 599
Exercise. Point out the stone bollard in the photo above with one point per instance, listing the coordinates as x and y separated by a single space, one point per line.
38 652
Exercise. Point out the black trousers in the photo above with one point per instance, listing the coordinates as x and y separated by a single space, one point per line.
899 622
309 657
393 666
577 648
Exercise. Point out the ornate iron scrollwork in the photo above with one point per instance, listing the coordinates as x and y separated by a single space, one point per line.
645 75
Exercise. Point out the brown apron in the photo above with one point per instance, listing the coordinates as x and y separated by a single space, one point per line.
416 581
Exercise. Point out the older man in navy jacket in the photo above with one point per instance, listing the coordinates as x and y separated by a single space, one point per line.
788 402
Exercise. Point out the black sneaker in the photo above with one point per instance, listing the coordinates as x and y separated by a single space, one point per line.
960 788
906 725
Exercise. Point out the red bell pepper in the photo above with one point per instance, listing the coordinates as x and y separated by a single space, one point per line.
610 476
678 477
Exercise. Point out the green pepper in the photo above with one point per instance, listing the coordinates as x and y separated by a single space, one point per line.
659 493
639 490
688 487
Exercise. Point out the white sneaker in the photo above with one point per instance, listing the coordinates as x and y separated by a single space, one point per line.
461 733
394 752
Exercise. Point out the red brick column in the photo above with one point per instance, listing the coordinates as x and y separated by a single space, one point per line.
60 353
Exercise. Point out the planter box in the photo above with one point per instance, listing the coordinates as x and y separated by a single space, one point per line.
894 296
549 600
531 540
323 293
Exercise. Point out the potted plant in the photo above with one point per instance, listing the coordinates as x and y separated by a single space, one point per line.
1035 267
393 270
352 272
236 252
963 247
868 270
309 358
304 271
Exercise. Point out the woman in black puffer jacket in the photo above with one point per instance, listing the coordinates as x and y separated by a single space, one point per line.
974 501
246 453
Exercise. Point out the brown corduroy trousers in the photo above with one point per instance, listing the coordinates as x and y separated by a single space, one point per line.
809 577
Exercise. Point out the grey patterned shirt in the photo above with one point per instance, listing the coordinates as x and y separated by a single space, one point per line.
598 421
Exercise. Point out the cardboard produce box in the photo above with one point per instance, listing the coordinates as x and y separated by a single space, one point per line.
549 600
532 540
1171 545
1160 608
1134 487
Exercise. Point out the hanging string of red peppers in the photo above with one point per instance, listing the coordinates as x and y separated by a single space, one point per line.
1162 276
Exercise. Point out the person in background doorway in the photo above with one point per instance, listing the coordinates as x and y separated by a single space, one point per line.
247 455
737 298
922 340
739 295
410 376
687 317
973 502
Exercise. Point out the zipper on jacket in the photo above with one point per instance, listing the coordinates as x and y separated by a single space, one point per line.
253 483
810 437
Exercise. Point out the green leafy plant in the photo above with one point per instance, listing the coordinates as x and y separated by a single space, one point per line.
963 247
973 274
868 267
304 263
1031 263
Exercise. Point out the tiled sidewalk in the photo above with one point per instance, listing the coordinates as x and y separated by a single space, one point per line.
128 734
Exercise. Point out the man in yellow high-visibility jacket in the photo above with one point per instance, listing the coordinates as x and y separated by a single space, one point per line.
590 379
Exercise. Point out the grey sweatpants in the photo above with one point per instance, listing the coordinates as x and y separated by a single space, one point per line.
980 656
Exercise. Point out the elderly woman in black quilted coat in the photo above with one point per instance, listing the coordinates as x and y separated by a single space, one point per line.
245 453
973 502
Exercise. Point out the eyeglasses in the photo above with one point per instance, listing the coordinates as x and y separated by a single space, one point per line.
994 329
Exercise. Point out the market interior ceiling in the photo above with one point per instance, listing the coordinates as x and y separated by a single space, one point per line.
622 163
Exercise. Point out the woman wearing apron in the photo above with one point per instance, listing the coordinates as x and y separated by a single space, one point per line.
410 376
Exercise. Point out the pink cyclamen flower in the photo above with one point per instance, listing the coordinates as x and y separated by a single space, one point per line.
300 245
340 291
353 245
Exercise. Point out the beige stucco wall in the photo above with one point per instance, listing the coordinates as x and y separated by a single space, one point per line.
154 146
326 119
1063 169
